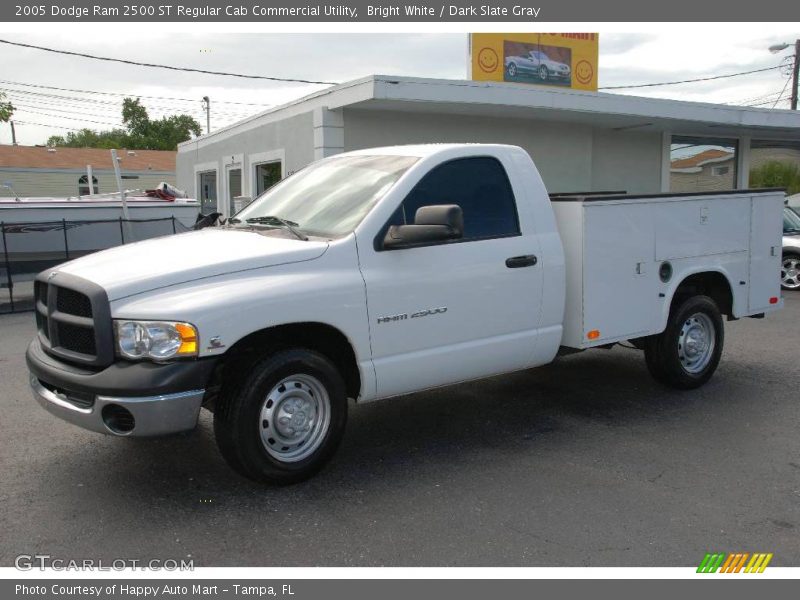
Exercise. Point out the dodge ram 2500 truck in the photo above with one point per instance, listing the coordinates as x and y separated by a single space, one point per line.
383 272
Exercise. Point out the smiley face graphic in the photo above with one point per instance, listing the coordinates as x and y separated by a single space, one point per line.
487 60
584 72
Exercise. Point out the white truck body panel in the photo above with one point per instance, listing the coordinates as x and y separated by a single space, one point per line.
615 246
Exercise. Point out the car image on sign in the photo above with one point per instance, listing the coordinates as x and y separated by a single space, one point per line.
537 64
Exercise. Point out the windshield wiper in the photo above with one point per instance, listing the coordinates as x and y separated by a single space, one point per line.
273 220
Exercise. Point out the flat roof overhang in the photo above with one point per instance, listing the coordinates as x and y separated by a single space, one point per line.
519 101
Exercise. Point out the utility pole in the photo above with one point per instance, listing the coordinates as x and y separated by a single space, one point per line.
795 73
207 107
13 134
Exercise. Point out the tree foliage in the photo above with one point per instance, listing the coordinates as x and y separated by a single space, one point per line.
6 109
776 174
140 133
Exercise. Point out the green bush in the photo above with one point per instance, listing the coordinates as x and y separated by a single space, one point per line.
776 174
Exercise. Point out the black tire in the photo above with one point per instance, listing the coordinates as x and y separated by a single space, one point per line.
238 416
790 260
669 362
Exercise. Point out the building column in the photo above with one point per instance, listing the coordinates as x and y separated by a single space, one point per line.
328 132
743 164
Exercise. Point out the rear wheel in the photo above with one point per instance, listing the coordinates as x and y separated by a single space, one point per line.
790 272
686 354
283 421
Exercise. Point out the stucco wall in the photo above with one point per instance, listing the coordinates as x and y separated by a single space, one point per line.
629 161
292 136
39 182
570 157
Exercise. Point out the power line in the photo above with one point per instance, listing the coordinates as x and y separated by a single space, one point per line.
645 85
18 122
122 94
117 125
782 92
168 67
115 107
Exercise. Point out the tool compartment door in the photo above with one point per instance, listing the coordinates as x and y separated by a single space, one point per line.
619 295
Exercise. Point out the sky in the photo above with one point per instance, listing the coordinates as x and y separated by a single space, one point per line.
656 54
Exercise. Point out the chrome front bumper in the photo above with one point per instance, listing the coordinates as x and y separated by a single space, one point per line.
122 416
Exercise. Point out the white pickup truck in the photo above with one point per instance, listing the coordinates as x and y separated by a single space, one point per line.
383 272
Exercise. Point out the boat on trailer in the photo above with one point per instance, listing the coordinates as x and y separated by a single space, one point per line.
40 232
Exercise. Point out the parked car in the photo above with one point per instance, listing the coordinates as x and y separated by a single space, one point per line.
383 272
537 63
790 267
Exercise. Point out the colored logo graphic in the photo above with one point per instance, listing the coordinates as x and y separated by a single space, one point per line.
584 71
488 60
734 562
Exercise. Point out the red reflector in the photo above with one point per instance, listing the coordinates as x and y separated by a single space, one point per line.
773 300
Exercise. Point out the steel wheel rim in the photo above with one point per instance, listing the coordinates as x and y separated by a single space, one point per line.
790 273
696 342
294 418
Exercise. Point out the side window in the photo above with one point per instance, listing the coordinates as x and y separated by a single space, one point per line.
478 185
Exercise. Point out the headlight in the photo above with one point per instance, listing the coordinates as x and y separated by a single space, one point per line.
156 340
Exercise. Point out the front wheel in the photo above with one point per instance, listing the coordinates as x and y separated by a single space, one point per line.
543 73
790 272
285 419
686 354
511 70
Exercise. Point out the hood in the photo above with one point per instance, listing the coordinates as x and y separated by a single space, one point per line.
160 262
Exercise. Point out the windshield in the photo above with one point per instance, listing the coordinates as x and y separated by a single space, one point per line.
791 221
328 198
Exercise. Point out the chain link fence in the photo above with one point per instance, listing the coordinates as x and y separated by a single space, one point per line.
29 248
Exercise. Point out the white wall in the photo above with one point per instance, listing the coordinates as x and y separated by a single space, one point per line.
570 157
626 160
64 182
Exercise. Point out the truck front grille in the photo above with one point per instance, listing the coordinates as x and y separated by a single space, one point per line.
73 319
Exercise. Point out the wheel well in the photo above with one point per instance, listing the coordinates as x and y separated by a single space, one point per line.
325 339
712 284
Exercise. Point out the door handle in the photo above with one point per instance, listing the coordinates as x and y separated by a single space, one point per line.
515 262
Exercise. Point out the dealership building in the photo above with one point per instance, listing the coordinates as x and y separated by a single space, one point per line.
580 141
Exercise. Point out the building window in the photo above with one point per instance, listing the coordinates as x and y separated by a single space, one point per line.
267 175
701 164
207 191
775 163
719 171
83 185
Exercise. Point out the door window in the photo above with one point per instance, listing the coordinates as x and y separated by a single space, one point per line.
478 185
208 192
234 187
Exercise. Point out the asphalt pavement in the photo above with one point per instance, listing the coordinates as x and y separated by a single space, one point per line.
586 462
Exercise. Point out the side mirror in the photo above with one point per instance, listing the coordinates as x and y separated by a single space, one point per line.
431 224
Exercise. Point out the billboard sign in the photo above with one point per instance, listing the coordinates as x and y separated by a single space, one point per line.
556 59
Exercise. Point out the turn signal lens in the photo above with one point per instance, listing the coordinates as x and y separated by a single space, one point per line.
188 338
593 334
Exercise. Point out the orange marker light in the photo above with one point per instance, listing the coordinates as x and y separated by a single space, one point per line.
188 338
593 334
